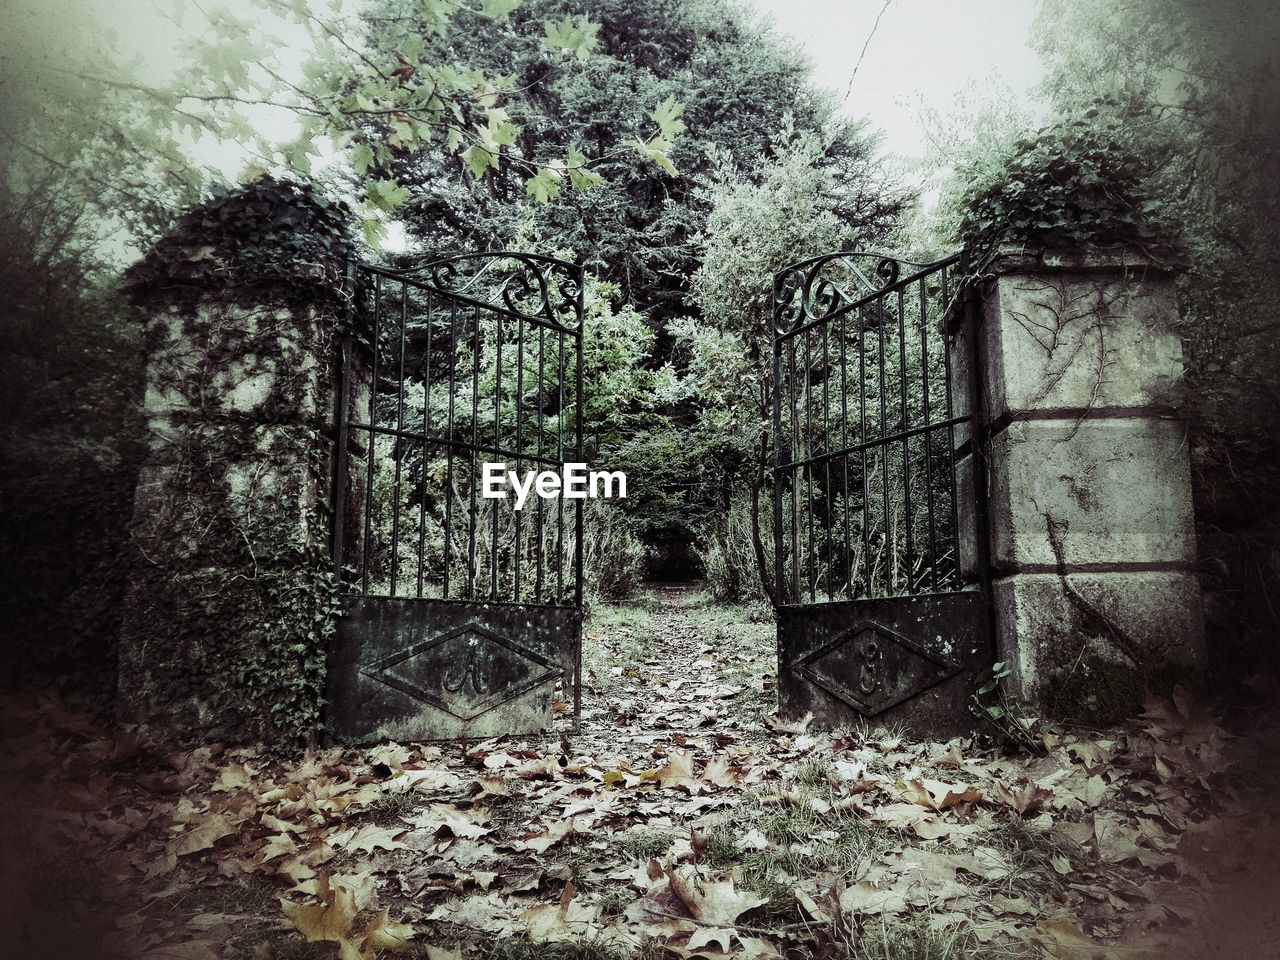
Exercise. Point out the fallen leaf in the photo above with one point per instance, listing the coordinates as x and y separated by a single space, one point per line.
201 837
329 920
716 903
372 837
678 771
382 933
441 818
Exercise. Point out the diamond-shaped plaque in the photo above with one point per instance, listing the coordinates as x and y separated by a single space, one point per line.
873 668
466 672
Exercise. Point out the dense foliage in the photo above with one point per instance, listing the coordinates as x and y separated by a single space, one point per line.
789 208
1079 182
736 79
127 141
746 97
70 361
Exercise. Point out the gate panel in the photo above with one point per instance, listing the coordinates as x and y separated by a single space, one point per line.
878 515
463 613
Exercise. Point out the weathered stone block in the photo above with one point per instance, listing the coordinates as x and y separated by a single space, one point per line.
1074 341
228 601
960 351
966 493
1142 622
1117 491
281 487
215 358
1089 485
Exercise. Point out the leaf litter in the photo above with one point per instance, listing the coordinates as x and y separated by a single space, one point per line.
746 836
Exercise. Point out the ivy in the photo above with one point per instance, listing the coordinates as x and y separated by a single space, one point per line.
1079 182
233 603
270 231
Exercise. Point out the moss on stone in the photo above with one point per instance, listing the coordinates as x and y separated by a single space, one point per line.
1094 691
231 602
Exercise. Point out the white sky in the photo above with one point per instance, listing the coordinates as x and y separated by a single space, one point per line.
922 54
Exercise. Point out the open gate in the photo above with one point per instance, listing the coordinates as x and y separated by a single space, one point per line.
879 519
462 614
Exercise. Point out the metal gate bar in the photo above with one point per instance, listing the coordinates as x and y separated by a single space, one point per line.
882 593
865 499
448 351
461 612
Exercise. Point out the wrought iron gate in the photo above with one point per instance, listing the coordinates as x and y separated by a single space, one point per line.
463 614
879 519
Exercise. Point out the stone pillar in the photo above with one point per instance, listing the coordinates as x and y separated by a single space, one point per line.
230 602
1092 540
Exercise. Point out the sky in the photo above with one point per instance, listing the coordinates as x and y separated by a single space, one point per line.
921 54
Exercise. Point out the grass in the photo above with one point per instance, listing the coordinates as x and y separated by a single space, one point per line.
580 854
743 640
520 948
814 772
918 937
644 844
583 854
1029 852
807 833
618 635
392 805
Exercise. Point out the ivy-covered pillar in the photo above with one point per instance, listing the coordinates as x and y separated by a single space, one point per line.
1092 540
230 601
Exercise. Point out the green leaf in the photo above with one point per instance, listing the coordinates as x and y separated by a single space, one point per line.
544 186
374 231
478 160
386 195
402 135
655 150
667 117
361 158
576 35
500 131
580 177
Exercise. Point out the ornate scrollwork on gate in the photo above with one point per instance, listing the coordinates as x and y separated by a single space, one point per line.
527 285
814 289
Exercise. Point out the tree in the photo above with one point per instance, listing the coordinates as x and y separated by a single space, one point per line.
99 153
737 81
69 383
641 228
127 144
795 210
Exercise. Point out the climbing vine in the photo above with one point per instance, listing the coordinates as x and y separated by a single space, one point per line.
232 605
1078 183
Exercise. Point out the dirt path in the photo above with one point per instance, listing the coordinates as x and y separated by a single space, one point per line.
675 664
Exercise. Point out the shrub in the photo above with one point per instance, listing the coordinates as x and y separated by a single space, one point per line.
729 556
613 556
1080 181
